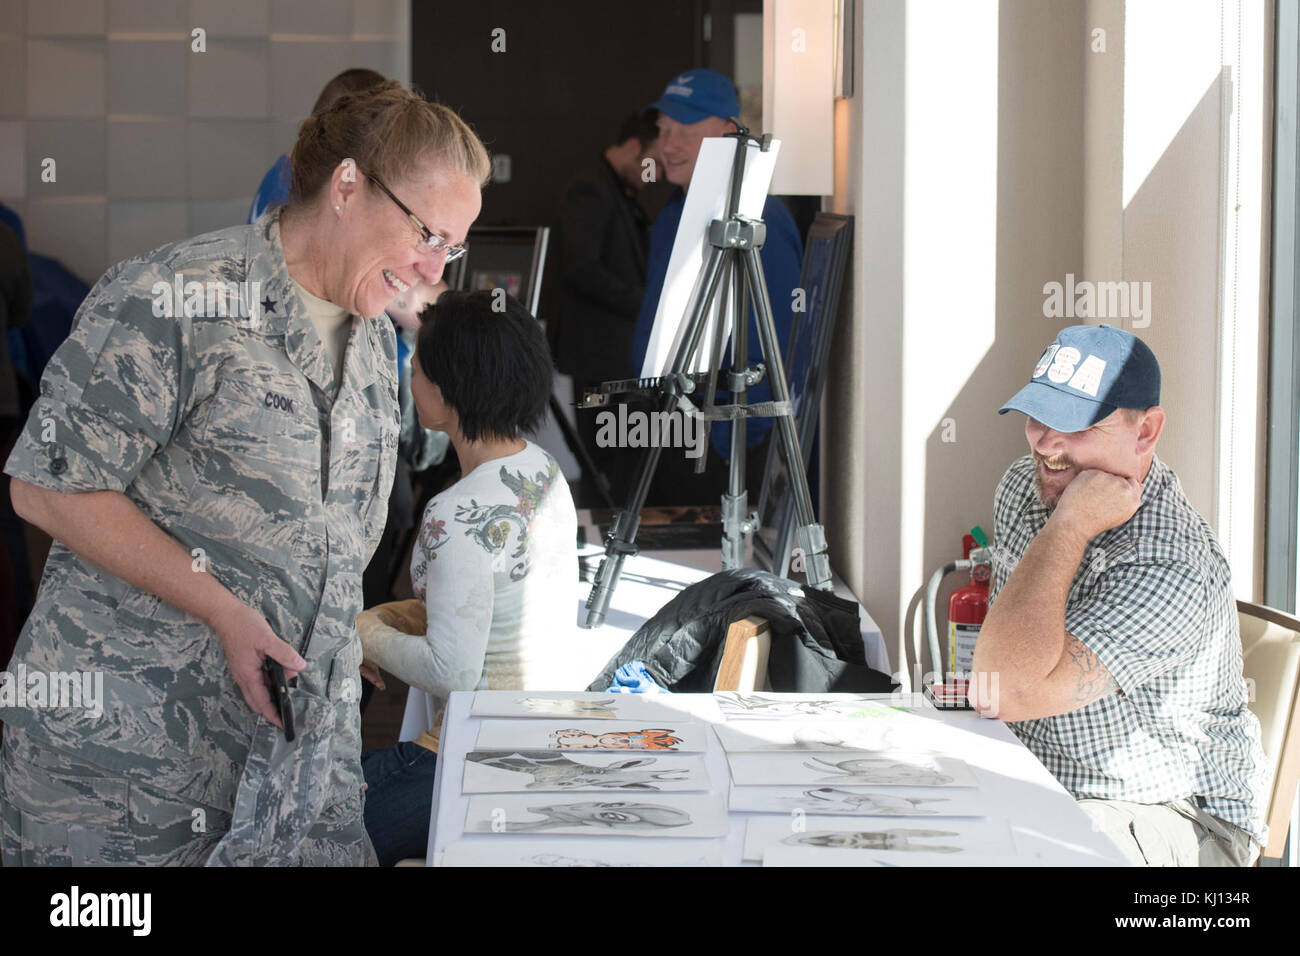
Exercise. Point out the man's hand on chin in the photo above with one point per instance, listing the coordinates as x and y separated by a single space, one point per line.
1096 501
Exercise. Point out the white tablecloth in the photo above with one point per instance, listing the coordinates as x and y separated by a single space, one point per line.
1048 827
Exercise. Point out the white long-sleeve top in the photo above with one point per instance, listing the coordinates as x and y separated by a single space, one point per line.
496 567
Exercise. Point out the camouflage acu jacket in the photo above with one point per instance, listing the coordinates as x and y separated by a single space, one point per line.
212 408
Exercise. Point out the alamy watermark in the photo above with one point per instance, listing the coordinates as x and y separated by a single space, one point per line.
75 909
642 429
209 298
1098 300
83 690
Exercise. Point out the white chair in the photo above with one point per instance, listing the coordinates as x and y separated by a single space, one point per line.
1270 648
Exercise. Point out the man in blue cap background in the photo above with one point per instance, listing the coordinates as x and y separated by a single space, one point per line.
695 105
1111 644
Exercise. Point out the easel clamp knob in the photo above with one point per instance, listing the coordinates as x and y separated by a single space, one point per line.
737 233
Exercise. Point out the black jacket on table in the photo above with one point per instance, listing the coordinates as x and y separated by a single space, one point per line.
816 641
603 244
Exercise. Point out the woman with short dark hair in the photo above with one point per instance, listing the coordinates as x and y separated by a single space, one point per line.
496 559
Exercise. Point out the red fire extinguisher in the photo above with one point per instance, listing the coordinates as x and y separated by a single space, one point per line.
968 605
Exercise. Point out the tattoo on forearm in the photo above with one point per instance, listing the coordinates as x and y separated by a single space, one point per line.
1092 680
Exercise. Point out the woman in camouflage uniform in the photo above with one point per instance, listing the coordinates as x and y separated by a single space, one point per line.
212 452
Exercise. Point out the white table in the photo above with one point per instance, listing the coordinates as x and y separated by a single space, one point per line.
1048 827
648 582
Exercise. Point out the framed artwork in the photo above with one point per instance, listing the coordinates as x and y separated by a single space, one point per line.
824 262
503 257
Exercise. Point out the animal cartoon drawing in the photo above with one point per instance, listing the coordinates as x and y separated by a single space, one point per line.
600 815
831 798
754 704
651 738
552 771
881 772
895 838
568 708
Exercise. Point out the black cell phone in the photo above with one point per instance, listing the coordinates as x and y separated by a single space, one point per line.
279 694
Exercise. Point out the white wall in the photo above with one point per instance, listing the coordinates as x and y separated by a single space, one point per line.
961 158
990 149
1179 127
152 141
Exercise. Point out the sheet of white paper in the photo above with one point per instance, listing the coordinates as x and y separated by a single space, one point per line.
706 201
848 770
901 730
576 705
680 736
949 838
819 856
737 706
640 815
536 851
543 771
857 801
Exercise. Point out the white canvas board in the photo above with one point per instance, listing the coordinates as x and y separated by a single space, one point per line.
706 201
536 851
654 736
900 730
948 838
543 771
848 770
782 855
766 706
639 815
857 801
576 705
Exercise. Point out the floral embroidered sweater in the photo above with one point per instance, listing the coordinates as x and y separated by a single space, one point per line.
496 567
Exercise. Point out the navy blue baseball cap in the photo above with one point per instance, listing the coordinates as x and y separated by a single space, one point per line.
1087 373
696 95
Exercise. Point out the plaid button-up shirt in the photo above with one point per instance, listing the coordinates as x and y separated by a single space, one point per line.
1152 599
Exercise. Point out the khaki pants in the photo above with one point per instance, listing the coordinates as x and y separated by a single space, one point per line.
1171 834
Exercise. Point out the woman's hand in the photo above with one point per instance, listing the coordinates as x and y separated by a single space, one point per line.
107 529
371 672
248 640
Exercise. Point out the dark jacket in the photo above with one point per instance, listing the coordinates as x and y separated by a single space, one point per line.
816 641
15 307
603 244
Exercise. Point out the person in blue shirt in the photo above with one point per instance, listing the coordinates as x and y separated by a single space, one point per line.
275 185
698 104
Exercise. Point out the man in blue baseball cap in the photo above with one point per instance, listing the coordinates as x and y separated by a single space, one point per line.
1111 644
694 105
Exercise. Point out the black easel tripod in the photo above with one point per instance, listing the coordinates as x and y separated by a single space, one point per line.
732 270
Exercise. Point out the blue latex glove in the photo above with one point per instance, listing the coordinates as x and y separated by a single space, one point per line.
633 678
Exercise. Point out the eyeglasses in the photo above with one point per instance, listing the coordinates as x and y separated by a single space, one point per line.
430 242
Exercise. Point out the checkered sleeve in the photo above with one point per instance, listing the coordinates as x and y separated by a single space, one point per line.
1142 620
1011 492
